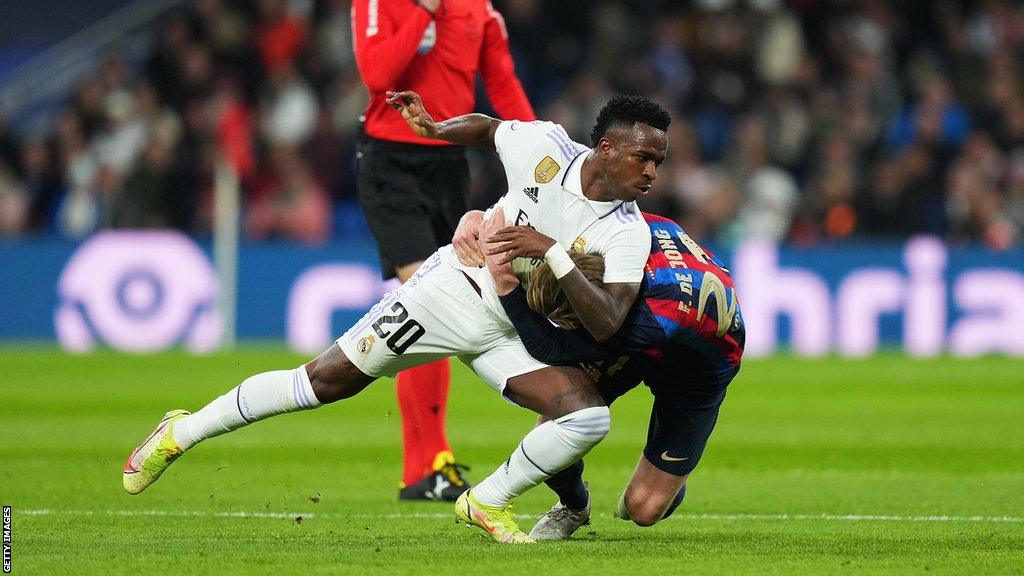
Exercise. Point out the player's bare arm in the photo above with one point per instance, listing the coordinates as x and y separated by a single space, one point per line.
601 310
466 130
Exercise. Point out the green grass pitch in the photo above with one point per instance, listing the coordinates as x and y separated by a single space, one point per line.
886 465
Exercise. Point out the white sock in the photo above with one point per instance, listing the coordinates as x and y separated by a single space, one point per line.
546 450
258 397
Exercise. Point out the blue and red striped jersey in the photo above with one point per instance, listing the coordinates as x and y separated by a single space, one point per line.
686 315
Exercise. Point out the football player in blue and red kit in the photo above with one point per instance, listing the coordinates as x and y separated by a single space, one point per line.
683 338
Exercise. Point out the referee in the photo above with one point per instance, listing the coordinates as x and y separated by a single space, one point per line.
414 190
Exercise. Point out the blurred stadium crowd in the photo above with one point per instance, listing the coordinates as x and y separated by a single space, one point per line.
802 121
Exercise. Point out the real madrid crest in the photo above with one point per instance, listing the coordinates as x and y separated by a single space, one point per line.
579 245
365 344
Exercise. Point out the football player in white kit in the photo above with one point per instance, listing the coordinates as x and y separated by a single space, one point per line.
584 198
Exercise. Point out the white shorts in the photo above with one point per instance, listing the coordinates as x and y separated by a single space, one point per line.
437 314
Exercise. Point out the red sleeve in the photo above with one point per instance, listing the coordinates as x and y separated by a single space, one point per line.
499 72
383 51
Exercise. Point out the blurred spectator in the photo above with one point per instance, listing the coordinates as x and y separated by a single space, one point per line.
40 180
123 134
279 35
14 204
289 108
769 195
152 193
288 202
8 144
800 121
884 209
79 211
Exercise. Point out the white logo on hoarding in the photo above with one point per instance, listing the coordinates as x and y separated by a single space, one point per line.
138 291
320 291
988 303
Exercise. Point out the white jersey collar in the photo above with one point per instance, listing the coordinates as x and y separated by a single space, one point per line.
572 182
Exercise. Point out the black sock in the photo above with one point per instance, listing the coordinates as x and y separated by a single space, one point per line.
675 502
569 486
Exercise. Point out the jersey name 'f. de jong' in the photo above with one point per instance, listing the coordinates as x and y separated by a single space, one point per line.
543 166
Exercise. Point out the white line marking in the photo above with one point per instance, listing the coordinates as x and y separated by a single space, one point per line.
854 517
420 515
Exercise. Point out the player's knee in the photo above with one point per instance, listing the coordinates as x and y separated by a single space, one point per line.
591 423
604 422
644 512
333 377
646 508
643 518
586 427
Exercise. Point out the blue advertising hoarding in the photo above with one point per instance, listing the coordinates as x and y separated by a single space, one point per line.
148 290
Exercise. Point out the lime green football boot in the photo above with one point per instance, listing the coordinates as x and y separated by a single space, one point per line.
149 460
499 523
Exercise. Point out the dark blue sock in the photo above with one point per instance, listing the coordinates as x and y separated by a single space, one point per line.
569 486
675 502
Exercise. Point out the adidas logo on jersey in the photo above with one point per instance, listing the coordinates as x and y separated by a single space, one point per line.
531 193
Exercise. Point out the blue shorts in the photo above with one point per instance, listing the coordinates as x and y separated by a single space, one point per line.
685 407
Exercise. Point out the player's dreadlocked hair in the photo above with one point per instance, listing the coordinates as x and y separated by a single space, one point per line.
626 110
545 295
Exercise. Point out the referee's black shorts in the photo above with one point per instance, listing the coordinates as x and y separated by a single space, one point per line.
413 197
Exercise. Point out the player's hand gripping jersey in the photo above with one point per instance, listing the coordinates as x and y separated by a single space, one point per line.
543 167
686 318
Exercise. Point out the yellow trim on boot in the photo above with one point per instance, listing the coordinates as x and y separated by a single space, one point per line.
442 459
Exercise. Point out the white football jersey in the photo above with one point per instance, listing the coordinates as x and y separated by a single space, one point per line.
543 166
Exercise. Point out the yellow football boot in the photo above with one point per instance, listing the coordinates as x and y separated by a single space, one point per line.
499 523
149 460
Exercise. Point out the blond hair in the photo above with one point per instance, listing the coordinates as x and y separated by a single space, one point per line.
546 297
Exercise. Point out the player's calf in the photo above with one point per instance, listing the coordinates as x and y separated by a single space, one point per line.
675 502
651 495
579 420
327 378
